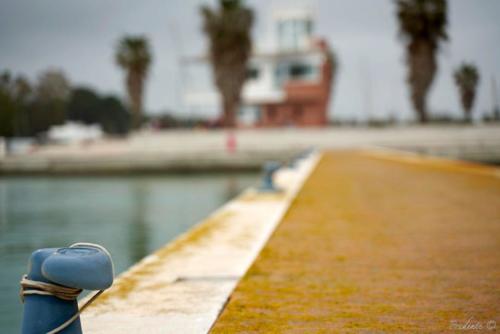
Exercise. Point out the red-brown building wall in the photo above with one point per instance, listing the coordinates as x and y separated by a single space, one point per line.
306 104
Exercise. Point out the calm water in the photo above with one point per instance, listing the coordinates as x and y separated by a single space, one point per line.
131 216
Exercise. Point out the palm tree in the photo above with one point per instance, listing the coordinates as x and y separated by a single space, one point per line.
134 56
422 26
228 30
467 77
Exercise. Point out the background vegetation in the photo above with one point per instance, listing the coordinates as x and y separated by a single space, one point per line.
29 109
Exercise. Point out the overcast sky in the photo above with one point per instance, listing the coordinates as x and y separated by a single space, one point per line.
79 37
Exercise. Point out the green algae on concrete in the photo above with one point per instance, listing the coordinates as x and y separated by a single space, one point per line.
182 287
378 244
128 282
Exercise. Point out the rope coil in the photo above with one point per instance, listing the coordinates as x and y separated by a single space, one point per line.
31 287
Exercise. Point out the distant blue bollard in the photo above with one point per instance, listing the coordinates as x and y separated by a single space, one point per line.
301 155
56 276
292 163
306 153
269 169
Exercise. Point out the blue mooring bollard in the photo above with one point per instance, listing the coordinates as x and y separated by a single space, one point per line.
300 156
55 278
269 168
305 153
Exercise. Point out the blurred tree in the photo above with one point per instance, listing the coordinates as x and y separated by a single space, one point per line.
83 106
134 56
5 80
22 89
16 97
114 117
422 26
52 92
8 107
29 110
53 85
23 95
88 107
466 78
228 30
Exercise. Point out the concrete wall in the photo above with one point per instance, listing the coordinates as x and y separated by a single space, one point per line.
183 150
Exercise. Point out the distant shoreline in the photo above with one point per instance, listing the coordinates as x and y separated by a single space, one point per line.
187 151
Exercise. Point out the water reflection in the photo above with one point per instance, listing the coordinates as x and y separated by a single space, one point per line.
131 216
139 228
231 188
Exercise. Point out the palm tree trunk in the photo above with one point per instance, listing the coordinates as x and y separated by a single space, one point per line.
422 68
468 116
467 100
135 88
230 108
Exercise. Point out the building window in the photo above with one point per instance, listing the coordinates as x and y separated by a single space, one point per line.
309 28
281 74
294 34
300 71
296 70
252 73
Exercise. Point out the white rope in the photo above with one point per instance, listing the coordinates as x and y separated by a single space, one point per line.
77 314
31 287
88 244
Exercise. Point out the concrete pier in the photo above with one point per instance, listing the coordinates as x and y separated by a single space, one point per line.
182 287
358 241
378 242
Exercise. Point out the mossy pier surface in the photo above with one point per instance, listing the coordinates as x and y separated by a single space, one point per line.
378 242
183 286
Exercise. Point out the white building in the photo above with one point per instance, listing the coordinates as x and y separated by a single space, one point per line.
286 84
